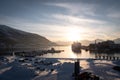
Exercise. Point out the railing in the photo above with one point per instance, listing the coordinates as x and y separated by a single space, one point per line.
109 58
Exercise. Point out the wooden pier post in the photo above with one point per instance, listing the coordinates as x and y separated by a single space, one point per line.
110 58
96 57
113 58
107 57
76 69
117 58
103 57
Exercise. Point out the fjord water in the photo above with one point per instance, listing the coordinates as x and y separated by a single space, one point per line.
68 53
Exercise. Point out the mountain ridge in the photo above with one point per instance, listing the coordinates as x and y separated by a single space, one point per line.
117 40
10 36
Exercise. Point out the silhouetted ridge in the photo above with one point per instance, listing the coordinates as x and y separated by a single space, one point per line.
11 36
117 40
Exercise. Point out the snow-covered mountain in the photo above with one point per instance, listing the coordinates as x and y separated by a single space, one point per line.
10 37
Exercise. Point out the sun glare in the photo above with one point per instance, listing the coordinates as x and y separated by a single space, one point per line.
73 35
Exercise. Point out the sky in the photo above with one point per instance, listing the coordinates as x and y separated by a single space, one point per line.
64 20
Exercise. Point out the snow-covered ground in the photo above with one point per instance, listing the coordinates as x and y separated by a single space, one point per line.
56 69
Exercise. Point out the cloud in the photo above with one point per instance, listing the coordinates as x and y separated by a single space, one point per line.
76 8
91 9
115 15
94 19
77 20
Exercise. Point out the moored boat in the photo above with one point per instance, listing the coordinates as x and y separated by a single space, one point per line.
76 47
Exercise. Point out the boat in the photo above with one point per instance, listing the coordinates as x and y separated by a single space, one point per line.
52 50
76 47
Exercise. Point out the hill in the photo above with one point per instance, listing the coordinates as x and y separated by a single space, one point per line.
117 40
10 37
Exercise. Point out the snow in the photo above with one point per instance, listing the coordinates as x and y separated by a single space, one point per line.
60 69
103 69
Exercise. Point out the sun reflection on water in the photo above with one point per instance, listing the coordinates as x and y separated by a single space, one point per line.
68 53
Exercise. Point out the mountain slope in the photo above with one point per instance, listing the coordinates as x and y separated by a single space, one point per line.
87 42
13 37
117 40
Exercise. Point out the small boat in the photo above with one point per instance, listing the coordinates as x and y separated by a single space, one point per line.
76 47
52 50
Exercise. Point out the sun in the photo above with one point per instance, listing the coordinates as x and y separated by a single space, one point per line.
73 35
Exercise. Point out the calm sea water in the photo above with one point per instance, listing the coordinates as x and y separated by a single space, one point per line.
69 54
